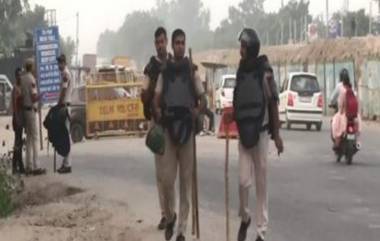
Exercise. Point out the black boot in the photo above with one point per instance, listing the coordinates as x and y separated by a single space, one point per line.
242 235
64 170
259 238
162 224
180 238
170 228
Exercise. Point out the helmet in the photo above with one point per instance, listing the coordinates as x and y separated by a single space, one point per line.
249 36
344 76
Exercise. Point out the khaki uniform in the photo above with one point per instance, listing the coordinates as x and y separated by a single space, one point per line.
29 88
157 158
68 85
253 165
182 158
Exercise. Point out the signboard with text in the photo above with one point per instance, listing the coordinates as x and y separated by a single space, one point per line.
47 49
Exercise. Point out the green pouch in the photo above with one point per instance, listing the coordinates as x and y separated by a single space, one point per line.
155 140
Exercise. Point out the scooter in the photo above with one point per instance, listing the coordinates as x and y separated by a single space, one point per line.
349 145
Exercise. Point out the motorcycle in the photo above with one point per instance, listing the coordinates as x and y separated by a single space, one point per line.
349 145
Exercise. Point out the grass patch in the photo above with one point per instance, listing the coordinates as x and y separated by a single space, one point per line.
6 205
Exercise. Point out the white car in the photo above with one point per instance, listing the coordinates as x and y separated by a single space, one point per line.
5 94
301 101
224 93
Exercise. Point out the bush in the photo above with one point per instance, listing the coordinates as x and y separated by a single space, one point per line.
6 205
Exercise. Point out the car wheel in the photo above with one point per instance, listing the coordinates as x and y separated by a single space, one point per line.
319 126
218 108
308 126
77 132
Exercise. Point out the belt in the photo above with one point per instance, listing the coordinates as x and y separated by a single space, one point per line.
29 108
66 104
264 128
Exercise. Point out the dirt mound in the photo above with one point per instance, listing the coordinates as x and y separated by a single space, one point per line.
53 211
41 194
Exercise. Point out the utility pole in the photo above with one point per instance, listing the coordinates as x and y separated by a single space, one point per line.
290 30
327 18
77 42
295 31
306 28
370 17
282 33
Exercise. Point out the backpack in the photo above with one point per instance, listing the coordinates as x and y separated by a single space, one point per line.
352 105
250 106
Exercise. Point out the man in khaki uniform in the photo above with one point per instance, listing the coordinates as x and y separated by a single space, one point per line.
256 114
151 72
179 98
30 101
65 101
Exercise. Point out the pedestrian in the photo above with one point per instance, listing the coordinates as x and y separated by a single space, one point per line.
211 119
179 99
151 72
64 102
17 123
255 105
30 99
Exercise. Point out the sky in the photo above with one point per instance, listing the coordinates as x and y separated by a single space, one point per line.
95 16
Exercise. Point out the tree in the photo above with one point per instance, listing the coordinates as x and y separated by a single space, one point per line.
68 48
17 21
134 38
191 16
10 11
273 28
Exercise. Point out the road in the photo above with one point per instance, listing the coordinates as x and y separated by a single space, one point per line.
311 197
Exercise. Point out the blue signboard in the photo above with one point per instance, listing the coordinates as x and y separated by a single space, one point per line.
48 75
335 29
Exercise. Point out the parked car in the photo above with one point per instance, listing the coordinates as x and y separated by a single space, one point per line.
301 101
224 93
5 94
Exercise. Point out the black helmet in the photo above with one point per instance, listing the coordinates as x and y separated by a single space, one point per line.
344 76
249 36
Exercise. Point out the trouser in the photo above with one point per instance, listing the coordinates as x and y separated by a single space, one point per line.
160 187
254 162
159 180
182 158
210 116
17 164
31 139
66 159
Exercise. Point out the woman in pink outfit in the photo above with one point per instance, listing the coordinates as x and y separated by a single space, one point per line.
339 121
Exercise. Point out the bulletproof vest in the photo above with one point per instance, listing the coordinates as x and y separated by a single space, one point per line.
249 97
152 70
178 99
249 107
178 88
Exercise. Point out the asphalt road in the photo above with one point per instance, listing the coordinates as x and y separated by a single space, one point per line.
311 197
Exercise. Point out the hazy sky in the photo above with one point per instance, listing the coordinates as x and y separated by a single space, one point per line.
98 15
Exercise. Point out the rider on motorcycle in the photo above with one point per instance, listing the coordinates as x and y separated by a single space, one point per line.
335 94
340 120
